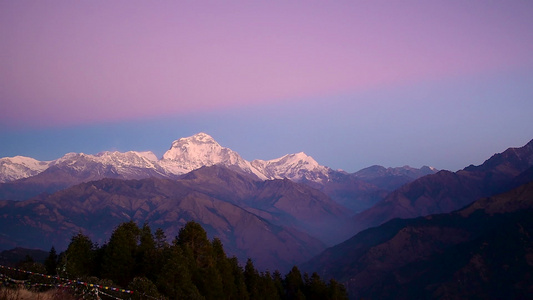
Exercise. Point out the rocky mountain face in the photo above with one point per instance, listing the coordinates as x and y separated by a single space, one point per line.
483 251
278 223
446 191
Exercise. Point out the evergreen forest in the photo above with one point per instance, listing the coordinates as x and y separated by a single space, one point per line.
190 267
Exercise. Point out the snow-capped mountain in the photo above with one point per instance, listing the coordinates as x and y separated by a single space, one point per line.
131 164
296 167
13 168
185 155
191 153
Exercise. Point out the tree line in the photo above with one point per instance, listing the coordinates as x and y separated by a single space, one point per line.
190 267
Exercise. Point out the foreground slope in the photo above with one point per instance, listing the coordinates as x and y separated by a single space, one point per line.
484 250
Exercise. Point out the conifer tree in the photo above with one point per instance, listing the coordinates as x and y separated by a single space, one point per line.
146 255
267 287
337 291
278 283
119 256
315 288
175 280
193 238
51 262
160 240
79 257
223 265
238 276
251 278
294 284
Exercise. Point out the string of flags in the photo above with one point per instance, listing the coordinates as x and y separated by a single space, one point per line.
67 281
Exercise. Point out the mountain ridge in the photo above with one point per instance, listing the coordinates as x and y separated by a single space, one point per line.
483 250
254 218
446 191
200 150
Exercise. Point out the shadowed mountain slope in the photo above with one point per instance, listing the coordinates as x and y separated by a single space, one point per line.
446 191
483 251
258 219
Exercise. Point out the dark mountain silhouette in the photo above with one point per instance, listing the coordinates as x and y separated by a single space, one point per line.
392 178
14 256
263 220
446 191
484 251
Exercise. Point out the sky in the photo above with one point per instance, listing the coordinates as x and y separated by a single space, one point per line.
351 83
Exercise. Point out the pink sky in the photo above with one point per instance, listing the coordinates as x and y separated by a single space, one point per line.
77 62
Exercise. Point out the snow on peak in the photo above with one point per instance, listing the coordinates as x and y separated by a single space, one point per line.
297 167
199 150
197 139
123 163
13 168
185 155
127 159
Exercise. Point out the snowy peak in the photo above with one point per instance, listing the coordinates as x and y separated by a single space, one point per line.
199 150
199 147
13 168
297 167
127 164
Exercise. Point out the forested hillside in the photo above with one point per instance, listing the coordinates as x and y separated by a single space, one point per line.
191 267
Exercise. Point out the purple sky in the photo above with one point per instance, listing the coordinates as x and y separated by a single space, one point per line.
351 83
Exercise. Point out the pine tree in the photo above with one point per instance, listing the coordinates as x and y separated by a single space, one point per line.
146 255
160 239
251 278
193 238
337 291
267 287
294 284
315 288
197 248
79 257
278 283
51 262
223 265
119 256
175 280
238 276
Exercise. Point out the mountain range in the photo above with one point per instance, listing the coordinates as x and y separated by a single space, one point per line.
253 218
483 251
22 178
446 191
282 202
184 155
278 212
